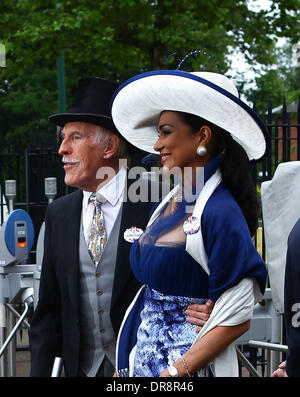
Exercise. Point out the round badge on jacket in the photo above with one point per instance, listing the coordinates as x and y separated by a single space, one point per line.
191 225
133 234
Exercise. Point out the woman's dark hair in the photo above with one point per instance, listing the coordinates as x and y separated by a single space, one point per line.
235 168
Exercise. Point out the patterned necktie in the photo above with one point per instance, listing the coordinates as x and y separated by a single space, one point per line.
98 237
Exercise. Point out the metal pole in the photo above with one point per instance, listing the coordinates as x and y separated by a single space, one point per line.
61 77
17 326
246 363
274 361
10 206
268 346
57 367
11 308
11 349
3 366
273 350
269 366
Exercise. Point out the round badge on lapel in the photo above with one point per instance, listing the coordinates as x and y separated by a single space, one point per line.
132 234
191 225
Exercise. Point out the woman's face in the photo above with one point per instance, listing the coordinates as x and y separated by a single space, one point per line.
177 143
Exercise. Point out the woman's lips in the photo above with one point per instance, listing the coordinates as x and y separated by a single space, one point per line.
164 156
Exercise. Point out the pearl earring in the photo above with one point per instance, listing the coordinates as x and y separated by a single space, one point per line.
201 151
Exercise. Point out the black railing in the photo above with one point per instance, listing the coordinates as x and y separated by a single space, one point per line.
284 130
283 126
29 162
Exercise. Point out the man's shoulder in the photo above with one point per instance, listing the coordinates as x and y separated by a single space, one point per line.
294 236
66 201
295 232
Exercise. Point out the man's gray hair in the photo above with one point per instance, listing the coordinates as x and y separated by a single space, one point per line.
103 134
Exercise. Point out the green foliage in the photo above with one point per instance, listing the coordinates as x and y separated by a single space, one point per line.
280 81
118 38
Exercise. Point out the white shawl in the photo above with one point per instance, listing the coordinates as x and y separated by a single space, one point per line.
234 306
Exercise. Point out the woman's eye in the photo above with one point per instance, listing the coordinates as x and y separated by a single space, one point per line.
166 132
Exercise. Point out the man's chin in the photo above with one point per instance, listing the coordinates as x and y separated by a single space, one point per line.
71 182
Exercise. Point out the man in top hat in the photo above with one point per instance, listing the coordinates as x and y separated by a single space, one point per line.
84 288
83 298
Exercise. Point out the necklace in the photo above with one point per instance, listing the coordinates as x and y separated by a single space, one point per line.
177 198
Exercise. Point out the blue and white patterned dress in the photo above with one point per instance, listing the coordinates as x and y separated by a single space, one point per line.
164 334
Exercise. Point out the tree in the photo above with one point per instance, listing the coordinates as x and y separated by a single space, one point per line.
143 32
118 38
280 81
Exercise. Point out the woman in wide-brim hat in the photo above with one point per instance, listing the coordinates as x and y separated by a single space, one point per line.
192 251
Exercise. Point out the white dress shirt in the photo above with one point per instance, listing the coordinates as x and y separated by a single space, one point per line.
113 192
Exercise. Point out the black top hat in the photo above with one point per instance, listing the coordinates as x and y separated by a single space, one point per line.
91 103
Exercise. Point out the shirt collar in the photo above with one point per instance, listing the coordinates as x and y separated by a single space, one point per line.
111 191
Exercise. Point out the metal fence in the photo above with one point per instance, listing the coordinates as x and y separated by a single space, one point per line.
283 125
29 160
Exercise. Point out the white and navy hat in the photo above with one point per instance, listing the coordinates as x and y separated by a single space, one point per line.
138 103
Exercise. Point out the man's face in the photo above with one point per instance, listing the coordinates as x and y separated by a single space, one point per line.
82 154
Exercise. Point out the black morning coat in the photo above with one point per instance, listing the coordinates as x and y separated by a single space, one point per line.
55 326
292 302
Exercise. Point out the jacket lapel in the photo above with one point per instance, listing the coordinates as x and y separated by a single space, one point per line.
194 242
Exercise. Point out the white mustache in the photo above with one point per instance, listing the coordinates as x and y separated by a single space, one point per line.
67 160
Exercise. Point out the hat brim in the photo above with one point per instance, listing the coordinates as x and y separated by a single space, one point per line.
138 103
61 119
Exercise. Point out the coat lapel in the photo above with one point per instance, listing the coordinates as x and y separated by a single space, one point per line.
194 242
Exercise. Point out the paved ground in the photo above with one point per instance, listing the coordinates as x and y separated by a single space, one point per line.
23 357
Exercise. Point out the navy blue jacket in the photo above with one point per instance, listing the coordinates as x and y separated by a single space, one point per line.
292 301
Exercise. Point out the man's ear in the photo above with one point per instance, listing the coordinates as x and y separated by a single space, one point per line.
111 147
